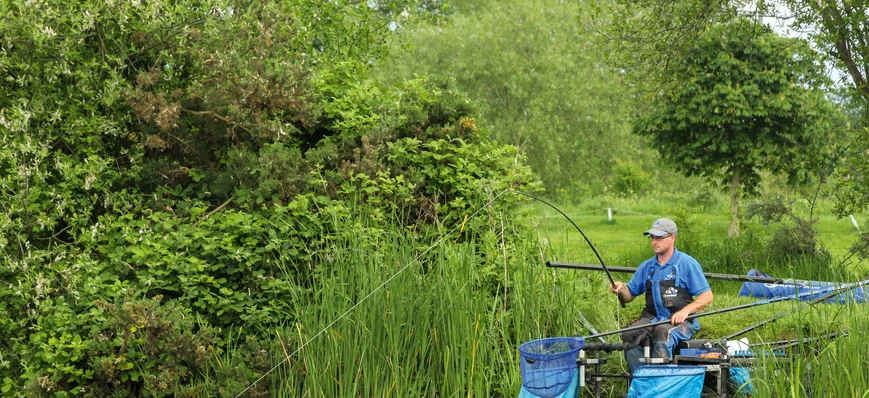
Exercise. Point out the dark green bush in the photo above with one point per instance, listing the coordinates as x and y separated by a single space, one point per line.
137 347
207 158
795 237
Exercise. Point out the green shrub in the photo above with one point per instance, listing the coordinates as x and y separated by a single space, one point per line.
630 179
137 347
208 158
795 238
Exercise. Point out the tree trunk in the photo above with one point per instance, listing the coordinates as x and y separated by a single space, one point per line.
733 230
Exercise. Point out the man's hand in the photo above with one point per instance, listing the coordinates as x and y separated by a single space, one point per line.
616 287
679 317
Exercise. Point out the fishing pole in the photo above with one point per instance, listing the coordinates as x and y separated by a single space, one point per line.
793 342
777 316
593 249
828 295
761 323
589 326
708 275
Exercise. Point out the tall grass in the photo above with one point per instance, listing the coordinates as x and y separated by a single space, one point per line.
441 326
827 368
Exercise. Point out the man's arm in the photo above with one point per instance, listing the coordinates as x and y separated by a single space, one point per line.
698 304
623 291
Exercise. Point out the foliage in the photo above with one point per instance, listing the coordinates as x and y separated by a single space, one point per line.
406 338
649 37
630 179
646 39
839 28
204 152
769 211
541 79
137 347
861 246
795 235
748 102
798 239
852 173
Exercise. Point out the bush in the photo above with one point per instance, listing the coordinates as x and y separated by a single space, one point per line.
795 238
137 347
630 179
213 180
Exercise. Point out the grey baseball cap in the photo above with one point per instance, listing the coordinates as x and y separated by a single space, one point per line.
662 227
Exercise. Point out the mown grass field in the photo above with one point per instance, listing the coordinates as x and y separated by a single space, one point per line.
624 232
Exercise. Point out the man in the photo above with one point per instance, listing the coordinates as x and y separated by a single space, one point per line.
671 280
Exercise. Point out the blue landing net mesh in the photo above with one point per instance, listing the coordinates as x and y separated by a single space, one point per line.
548 365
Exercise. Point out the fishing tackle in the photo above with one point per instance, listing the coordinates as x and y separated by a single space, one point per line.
593 249
708 275
832 293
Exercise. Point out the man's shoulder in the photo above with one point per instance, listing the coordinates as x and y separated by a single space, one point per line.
685 258
648 262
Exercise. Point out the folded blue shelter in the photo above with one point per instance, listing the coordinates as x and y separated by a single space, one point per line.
803 290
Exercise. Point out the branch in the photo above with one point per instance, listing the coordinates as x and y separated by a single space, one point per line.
219 208
832 19
225 119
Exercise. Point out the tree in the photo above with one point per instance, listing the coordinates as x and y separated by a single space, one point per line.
646 38
648 35
748 101
840 29
543 82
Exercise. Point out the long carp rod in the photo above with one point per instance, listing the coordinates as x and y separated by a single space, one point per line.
708 275
593 249
830 294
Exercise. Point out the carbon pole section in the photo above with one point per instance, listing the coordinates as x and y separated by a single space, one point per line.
708 275
792 342
603 266
832 293
761 323
770 320
589 326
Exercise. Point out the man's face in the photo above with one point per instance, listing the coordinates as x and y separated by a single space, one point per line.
663 244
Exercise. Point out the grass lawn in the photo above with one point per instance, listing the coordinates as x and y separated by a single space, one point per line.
622 235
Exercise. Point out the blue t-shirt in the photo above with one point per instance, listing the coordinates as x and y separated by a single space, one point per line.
684 268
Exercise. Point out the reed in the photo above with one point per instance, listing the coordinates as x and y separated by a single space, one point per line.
441 325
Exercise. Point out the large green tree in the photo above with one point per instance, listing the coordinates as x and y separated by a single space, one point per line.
747 101
841 30
649 36
543 82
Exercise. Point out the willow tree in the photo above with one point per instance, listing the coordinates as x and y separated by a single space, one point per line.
543 82
747 100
